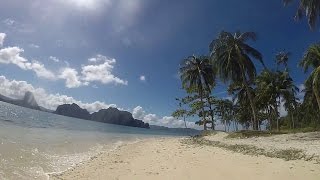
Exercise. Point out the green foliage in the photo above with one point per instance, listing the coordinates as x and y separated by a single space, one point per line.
248 134
198 79
232 57
308 8
256 97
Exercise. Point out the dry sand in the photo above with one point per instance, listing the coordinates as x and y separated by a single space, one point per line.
169 158
309 143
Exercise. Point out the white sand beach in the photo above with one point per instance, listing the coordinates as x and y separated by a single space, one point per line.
170 158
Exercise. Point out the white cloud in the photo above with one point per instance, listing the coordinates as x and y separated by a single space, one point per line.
9 22
40 70
98 58
98 72
11 55
302 92
138 112
35 46
101 72
67 63
55 59
142 78
2 37
86 4
71 77
167 121
17 89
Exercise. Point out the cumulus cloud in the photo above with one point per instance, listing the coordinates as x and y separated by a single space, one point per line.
71 77
40 70
11 55
2 37
17 89
9 22
35 46
101 72
167 121
142 78
86 4
138 112
98 58
54 59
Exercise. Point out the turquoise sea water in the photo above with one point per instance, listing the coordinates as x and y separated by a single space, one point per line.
34 143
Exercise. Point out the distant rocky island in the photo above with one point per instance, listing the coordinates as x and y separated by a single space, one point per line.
110 115
28 101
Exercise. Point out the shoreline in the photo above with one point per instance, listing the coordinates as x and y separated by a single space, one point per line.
117 145
170 158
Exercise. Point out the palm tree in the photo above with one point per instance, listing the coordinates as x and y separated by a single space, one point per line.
232 57
197 76
267 95
288 92
240 96
181 112
274 87
282 58
312 59
225 109
311 9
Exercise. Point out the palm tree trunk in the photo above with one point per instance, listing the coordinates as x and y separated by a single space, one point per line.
185 123
203 115
316 93
210 105
253 108
212 115
292 120
201 99
270 118
276 113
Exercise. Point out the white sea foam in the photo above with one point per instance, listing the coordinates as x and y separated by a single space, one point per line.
34 144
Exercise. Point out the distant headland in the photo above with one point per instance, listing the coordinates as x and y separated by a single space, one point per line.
110 115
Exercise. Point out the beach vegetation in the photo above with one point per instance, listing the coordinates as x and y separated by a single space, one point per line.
259 97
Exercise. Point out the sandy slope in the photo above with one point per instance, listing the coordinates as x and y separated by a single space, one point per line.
171 159
309 143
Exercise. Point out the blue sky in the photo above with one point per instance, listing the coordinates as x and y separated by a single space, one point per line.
97 50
